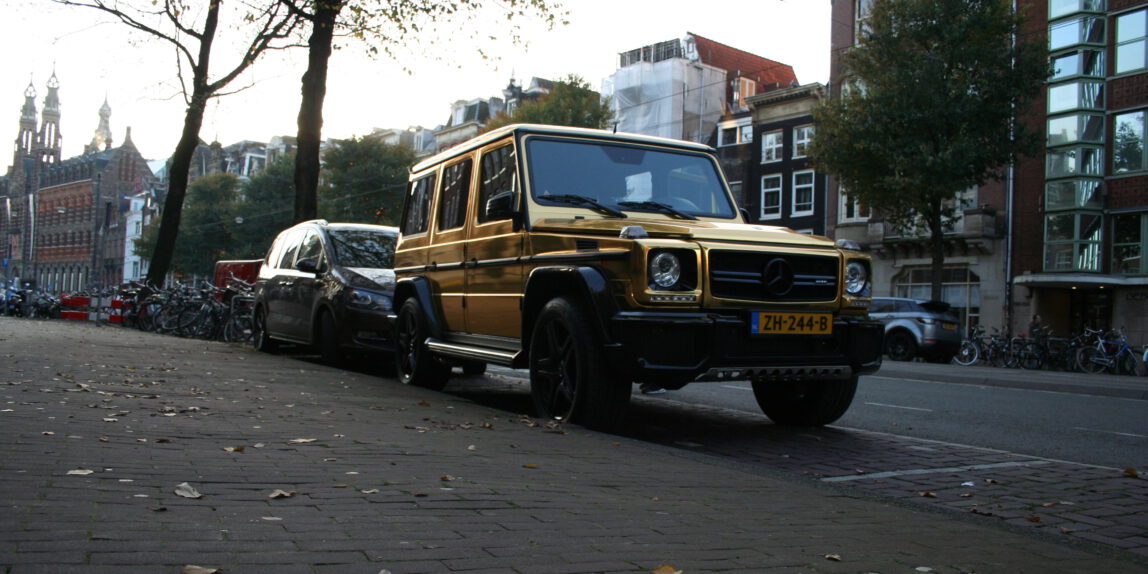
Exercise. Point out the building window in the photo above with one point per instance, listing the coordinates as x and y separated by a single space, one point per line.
1085 62
1074 161
960 288
864 11
1129 147
1081 94
1132 41
1128 235
771 146
735 133
742 89
802 136
1059 8
1075 128
850 209
803 193
1072 241
771 197
1076 31
1072 194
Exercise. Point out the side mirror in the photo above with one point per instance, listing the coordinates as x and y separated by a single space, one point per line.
501 206
307 265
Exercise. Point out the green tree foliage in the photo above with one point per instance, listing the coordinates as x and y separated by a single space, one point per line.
363 181
264 208
208 226
928 109
570 103
382 26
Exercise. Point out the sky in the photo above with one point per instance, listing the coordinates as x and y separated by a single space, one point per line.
96 59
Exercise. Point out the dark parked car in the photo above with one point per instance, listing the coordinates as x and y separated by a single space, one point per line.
917 328
328 285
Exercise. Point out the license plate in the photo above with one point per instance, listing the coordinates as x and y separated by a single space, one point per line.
764 322
949 326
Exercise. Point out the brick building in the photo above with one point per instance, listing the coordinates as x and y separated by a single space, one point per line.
61 221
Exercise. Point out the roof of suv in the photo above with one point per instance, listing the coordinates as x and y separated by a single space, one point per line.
553 130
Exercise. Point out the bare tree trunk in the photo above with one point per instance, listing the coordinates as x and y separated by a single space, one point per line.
310 119
184 151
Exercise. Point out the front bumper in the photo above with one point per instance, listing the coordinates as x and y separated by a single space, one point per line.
673 349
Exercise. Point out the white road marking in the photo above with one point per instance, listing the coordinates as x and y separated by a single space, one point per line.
900 407
1128 434
916 471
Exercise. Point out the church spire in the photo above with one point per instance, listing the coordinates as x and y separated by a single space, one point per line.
49 139
26 141
102 140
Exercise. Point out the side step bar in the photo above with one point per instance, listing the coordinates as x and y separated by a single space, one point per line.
495 356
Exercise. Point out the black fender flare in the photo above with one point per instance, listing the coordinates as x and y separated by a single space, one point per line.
586 284
420 289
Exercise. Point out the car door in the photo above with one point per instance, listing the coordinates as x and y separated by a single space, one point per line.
304 286
279 281
494 272
447 252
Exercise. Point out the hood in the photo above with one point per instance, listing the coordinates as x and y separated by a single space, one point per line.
681 229
370 278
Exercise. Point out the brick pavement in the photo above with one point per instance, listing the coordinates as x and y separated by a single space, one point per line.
100 425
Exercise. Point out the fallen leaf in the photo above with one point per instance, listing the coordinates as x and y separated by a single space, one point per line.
282 493
1131 473
530 465
1050 504
301 440
665 569
80 472
187 491
104 439
47 433
1033 519
271 518
234 448
370 491
192 569
446 478
424 404
833 557
157 508
927 494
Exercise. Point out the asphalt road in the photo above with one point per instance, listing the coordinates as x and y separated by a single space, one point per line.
1088 429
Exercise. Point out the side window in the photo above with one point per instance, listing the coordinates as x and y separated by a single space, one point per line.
290 248
417 215
455 192
276 251
312 247
499 176
881 307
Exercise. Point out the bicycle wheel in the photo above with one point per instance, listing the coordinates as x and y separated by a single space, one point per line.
1028 355
1126 364
968 354
1091 360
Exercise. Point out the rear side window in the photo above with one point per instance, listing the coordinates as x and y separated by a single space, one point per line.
416 219
879 306
290 249
499 176
455 192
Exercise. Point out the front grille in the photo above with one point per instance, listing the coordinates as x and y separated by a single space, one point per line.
773 277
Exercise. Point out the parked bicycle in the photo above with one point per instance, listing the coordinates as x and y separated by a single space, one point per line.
1110 353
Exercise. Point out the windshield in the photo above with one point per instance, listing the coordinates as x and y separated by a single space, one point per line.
607 176
363 248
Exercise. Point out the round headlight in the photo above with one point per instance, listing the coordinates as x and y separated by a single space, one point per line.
856 277
665 270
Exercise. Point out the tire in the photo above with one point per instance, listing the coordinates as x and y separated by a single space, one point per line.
569 378
1090 360
414 363
900 346
968 354
259 336
474 368
807 403
1126 364
328 341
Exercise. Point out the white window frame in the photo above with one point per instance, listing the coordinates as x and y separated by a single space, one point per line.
742 132
811 186
776 191
844 203
802 137
772 146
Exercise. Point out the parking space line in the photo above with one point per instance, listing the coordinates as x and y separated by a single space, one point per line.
918 471
900 407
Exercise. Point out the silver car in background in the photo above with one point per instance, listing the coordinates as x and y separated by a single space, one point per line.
917 328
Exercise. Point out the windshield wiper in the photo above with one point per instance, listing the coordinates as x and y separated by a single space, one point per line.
585 201
656 206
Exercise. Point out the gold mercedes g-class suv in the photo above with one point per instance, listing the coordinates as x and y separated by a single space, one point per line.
600 259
